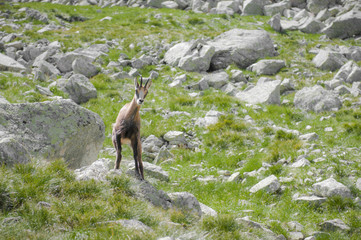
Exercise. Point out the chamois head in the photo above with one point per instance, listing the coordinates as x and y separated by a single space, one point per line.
140 90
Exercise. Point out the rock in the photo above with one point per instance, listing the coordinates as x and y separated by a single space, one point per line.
254 7
275 23
210 118
358 184
276 8
9 64
241 47
3 100
170 4
162 155
98 171
186 202
54 130
350 72
199 60
267 92
316 99
120 75
269 184
327 60
227 7
153 171
85 67
65 63
79 88
132 224
337 29
175 138
295 226
330 188
44 91
35 14
315 6
192 56
217 79
12 152
303 162
287 85
237 76
311 25
267 66
312 200
341 90
235 177
309 137
334 225
207 211
48 69
155 3
266 233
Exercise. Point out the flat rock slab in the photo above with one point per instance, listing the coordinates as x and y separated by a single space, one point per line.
9 64
269 184
266 92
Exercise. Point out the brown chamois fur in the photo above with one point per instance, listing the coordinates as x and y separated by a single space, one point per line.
126 129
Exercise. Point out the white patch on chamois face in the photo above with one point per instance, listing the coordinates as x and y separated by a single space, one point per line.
141 91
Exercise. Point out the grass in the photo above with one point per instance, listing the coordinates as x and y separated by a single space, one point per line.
233 144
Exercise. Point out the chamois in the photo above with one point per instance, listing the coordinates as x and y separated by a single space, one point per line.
126 129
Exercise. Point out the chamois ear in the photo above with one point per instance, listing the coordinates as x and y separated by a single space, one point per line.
136 84
148 84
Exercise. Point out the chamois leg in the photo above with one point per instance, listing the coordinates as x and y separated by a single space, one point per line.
118 147
137 152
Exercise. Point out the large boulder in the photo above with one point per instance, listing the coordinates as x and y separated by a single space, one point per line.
265 92
350 72
273 9
316 99
344 26
84 67
51 130
241 47
328 60
9 64
79 88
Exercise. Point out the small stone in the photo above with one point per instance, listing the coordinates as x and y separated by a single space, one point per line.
269 184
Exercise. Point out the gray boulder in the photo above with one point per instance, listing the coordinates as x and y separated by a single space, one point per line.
79 88
153 171
275 23
210 118
216 79
47 68
334 225
192 56
311 25
277 8
315 6
344 26
269 184
11 151
316 99
207 211
266 92
267 66
350 72
132 224
83 66
175 138
98 171
9 64
155 3
254 7
241 47
52 130
328 60
35 14
227 7
186 202
330 188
